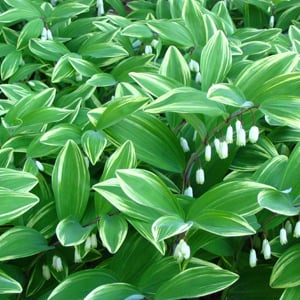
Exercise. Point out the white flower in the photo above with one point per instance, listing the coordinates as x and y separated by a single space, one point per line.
182 251
200 177
94 242
189 191
99 3
297 230
272 21
198 77
88 244
238 125
39 165
252 258
217 145
253 134
77 257
154 43
266 249
49 35
288 226
223 150
44 34
100 6
184 144
46 272
78 76
283 236
229 135
148 49
57 263
53 2
194 66
241 137
207 152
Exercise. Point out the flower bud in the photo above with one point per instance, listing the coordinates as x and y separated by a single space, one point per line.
207 152
88 244
241 137
182 251
223 150
266 249
44 34
252 258
217 145
49 35
288 226
189 191
78 77
154 43
77 256
148 49
194 66
184 144
229 135
198 77
39 165
100 6
283 236
238 125
272 22
200 177
297 230
253 134
46 272
57 263
94 242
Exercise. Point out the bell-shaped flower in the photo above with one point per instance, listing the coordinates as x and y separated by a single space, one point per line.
217 145
283 236
238 125
49 35
189 191
288 226
198 77
223 150
44 34
184 144
148 49
94 242
207 152
77 256
57 263
252 258
200 177
253 134
266 249
297 230
229 135
194 66
241 137
46 272
182 251
154 43
88 244
271 21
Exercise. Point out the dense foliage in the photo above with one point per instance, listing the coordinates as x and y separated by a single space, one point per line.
149 149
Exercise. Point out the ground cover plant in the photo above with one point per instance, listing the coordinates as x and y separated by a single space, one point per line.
149 149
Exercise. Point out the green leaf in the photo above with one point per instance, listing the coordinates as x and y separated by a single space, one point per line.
60 134
161 148
185 100
70 233
227 94
115 291
82 66
215 60
16 180
223 223
68 10
14 204
102 80
137 30
196 282
31 30
168 226
112 230
93 144
118 109
172 32
291 293
238 197
284 273
262 70
79 284
10 64
48 50
147 189
70 182
9 285
174 66
277 202
21 242
62 70
6 155
155 84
